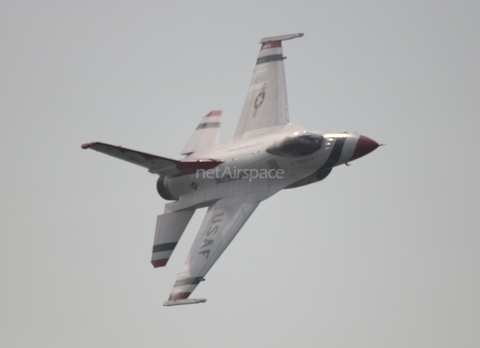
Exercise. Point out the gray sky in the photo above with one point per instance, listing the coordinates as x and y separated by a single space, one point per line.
384 253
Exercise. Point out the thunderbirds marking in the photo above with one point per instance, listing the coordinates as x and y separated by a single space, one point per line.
267 149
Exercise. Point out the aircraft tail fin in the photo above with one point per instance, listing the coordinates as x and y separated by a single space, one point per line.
206 135
170 228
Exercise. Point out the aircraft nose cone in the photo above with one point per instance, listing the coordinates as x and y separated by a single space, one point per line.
364 146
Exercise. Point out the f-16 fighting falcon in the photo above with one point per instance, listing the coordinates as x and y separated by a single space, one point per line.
267 154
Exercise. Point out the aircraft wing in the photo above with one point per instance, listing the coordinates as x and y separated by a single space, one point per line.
221 224
266 102
155 164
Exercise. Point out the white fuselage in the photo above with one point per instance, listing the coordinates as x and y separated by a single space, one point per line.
248 168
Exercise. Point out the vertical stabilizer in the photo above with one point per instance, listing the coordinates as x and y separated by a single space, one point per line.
206 135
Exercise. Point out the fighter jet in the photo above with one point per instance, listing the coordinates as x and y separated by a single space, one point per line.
267 154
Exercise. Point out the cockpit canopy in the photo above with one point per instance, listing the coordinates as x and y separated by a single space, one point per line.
296 145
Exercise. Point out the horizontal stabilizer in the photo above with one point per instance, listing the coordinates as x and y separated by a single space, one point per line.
155 164
170 228
184 302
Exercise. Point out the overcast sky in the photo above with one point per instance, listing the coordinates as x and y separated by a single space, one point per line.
384 253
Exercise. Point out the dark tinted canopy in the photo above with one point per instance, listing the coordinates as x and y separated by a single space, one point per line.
303 144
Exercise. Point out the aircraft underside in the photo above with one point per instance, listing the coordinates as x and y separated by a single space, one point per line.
266 155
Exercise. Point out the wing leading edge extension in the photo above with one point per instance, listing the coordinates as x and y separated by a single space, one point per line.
266 102
221 224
